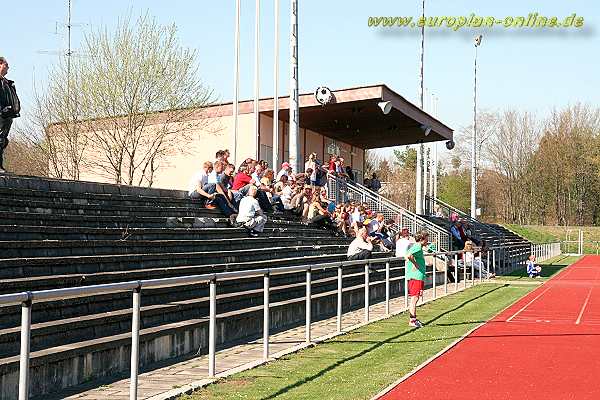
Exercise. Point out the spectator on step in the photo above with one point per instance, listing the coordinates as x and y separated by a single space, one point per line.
438 212
470 258
301 201
457 238
350 173
311 165
375 184
318 215
286 169
361 247
377 229
250 213
200 189
533 270
404 242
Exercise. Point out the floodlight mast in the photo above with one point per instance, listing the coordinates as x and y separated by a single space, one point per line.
474 138
294 108
420 150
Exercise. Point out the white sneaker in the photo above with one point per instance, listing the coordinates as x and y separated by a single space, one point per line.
415 323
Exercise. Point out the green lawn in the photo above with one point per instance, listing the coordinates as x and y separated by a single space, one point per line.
361 363
537 233
549 268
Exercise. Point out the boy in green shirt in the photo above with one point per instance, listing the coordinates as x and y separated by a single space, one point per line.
415 275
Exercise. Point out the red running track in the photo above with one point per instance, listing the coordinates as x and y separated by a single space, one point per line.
545 346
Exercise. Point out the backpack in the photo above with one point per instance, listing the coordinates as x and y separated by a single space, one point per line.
10 106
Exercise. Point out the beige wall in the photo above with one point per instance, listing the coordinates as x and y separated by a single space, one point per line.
218 134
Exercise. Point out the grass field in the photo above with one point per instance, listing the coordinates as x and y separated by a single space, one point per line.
361 363
549 269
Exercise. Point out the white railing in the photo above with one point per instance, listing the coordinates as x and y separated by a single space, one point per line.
340 190
27 299
545 251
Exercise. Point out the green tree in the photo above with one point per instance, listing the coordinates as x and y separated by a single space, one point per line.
406 159
455 189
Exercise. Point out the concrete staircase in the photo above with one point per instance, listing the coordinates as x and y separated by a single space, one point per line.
56 234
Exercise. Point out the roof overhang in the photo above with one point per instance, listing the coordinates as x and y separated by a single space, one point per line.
354 117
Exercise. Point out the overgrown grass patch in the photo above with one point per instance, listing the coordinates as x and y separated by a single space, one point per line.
359 364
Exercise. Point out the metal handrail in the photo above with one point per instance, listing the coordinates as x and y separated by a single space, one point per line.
28 298
339 188
463 215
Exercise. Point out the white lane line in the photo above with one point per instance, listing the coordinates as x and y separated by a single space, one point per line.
528 304
585 303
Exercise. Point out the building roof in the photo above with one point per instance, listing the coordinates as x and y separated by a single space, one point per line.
355 117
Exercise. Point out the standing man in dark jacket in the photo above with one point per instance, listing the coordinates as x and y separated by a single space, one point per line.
10 107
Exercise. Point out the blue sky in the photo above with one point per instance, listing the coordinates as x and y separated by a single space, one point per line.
532 70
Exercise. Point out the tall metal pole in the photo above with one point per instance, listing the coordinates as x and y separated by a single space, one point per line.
276 90
236 81
474 138
420 150
435 156
256 79
294 106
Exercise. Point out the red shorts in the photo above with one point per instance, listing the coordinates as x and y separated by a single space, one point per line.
415 287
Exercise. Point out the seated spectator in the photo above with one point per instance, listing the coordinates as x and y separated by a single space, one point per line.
286 169
250 214
376 228
200 189
357 218
438 212
404 242
331 163
471 258
361 247
375 184
533 270
301 201
243 181
341 220
303 178
317 215
367 183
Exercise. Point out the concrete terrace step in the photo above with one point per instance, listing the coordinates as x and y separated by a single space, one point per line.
54 272
65 248
32 232
45 207
44 184
231 297
84 305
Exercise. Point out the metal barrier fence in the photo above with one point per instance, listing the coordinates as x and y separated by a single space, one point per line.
341 190
28 298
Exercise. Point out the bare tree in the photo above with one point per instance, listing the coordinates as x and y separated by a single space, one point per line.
122 110
144 100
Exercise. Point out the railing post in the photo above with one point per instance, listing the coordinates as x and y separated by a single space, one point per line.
308 304
266 321
367 292
446 275
487 264
387 288
339 298
473 271
433 277
456 272
494 261
135 343
24 355
464 271
212 327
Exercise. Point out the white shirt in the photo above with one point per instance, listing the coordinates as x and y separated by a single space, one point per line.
402 245
356 216
200 178
213 177
358 245
286 197
248 209
312 165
